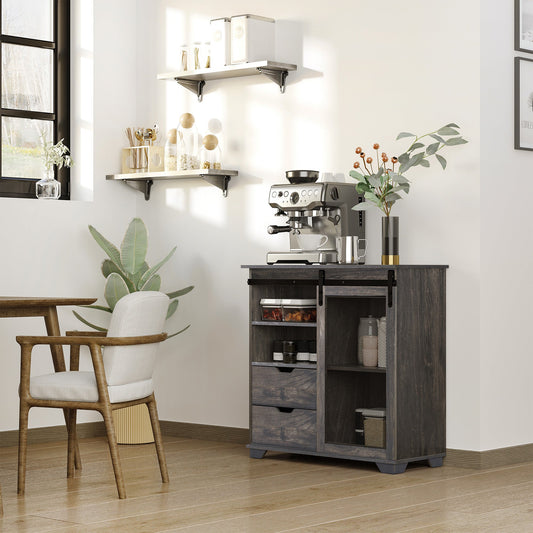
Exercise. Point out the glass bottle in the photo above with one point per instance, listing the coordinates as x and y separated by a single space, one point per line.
210 153
48 188
171 151
188 143
184 58
196 56
367 338
206 56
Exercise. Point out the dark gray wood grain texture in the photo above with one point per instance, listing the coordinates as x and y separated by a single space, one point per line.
421 363
412 388
284 387
295 429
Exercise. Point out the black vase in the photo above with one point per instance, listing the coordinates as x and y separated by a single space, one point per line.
390 240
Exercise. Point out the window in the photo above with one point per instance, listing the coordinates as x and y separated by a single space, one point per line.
35 95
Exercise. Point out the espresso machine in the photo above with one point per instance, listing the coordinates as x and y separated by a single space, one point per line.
317 213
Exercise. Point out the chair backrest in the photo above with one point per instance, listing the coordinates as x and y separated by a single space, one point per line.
138 313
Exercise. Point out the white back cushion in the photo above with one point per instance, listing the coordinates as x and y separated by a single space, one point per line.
139 313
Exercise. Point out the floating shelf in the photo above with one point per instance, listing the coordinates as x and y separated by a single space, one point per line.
143 181
194 80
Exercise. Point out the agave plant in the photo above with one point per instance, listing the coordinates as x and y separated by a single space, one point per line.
127 271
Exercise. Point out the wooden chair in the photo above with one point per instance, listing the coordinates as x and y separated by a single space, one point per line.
122 377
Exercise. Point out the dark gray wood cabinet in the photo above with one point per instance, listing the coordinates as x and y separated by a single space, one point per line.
311 408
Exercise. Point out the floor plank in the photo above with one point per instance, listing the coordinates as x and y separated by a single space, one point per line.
216 487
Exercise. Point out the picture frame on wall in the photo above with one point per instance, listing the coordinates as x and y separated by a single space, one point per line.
523 33
523 103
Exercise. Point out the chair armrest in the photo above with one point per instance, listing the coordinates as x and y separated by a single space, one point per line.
85 333
89 340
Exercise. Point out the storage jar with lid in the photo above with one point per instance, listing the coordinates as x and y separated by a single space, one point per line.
271 309
171 151
252 39
367 338
220 42
299 310
210 153
188 143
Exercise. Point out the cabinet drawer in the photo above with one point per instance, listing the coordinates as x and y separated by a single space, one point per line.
271 386
295 429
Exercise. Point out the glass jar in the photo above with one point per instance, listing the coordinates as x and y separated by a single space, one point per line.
299 310
48 188
210 153
367 341
171 151
271 309
187 143
289 352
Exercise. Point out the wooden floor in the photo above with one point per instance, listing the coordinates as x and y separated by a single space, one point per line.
215 487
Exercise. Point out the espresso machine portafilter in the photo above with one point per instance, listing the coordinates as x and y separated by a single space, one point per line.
317 213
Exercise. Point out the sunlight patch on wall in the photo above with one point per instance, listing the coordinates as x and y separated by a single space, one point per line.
176 36
175 199
208 205
82 119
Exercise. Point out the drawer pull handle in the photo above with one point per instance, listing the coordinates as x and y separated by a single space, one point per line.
285 409
285 369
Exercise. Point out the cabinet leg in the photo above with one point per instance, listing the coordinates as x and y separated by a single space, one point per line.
435 461
257 454
386 468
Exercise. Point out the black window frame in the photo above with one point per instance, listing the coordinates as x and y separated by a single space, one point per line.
14 187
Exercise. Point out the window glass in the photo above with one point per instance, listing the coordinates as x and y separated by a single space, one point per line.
22 147
28 18
27 78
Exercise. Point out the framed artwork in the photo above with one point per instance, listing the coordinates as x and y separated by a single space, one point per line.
523 103
523 28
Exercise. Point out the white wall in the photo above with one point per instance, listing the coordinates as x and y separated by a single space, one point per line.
507 241
47 249
366 70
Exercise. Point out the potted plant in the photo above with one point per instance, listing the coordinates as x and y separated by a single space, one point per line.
383 181
126 271
53 155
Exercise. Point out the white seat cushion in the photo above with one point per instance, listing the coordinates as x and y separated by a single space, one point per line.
81 387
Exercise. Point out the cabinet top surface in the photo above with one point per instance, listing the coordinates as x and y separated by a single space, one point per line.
333 267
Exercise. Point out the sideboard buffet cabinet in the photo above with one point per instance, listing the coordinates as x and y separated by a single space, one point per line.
313 408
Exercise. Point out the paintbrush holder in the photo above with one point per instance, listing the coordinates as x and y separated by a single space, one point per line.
142 159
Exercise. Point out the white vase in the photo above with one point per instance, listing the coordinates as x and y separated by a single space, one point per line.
48 188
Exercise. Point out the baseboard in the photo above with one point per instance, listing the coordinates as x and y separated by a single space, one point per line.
52 433
458 458
490 458
205 432
97 429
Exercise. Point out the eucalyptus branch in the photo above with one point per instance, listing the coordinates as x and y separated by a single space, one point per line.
388 185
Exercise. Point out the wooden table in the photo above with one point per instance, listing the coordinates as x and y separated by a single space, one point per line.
20 306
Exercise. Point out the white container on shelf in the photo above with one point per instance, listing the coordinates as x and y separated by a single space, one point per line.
220 42
252 39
